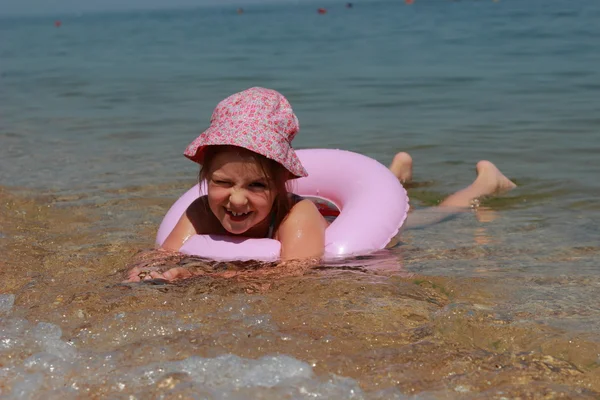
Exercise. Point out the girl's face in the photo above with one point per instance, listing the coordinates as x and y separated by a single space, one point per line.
239 194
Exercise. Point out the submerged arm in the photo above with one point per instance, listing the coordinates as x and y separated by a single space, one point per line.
188 225
301 234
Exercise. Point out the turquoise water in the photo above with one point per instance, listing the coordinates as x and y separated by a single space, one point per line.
451 82
105 105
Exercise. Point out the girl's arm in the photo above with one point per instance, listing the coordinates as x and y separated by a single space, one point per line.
302 233
190 223
302 237
182 232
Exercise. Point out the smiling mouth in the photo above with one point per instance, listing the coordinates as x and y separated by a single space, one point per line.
236 216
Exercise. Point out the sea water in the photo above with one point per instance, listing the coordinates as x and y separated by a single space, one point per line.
497 302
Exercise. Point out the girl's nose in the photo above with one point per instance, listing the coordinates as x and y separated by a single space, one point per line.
237 198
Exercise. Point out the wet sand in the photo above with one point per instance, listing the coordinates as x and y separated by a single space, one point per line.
392 328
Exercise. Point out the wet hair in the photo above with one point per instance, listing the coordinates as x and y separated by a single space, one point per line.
276 174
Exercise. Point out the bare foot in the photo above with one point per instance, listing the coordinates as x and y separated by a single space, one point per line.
490 180
401 166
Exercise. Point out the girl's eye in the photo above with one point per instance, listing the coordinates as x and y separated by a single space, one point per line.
258 185
221 182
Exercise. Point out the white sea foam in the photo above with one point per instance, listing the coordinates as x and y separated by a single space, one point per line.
39 364
6 303
121 330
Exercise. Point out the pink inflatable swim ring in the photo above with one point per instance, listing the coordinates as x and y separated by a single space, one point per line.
373 206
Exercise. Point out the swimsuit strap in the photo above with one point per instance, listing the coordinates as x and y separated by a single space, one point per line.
296 198
271 226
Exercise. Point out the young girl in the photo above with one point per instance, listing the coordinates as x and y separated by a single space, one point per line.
247 160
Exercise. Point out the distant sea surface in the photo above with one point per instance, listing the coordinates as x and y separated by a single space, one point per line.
97 112
113 99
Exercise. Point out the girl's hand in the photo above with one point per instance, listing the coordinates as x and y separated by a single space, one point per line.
148 264
138 274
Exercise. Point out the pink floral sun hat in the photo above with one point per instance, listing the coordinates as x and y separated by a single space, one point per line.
258 119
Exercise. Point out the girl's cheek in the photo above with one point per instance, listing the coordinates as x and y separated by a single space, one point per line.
215 193
262 198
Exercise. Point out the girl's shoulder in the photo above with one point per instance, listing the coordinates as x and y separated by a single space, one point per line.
302 232
301 208
304 214
304 206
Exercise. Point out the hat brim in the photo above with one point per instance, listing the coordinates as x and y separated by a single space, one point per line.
278 150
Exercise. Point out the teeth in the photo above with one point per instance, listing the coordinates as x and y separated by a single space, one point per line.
238 214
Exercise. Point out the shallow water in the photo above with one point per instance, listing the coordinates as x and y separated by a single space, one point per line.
497 302
478 317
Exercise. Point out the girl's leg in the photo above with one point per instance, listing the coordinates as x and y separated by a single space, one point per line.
489 181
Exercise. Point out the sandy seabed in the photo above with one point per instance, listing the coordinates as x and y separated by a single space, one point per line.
70 329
